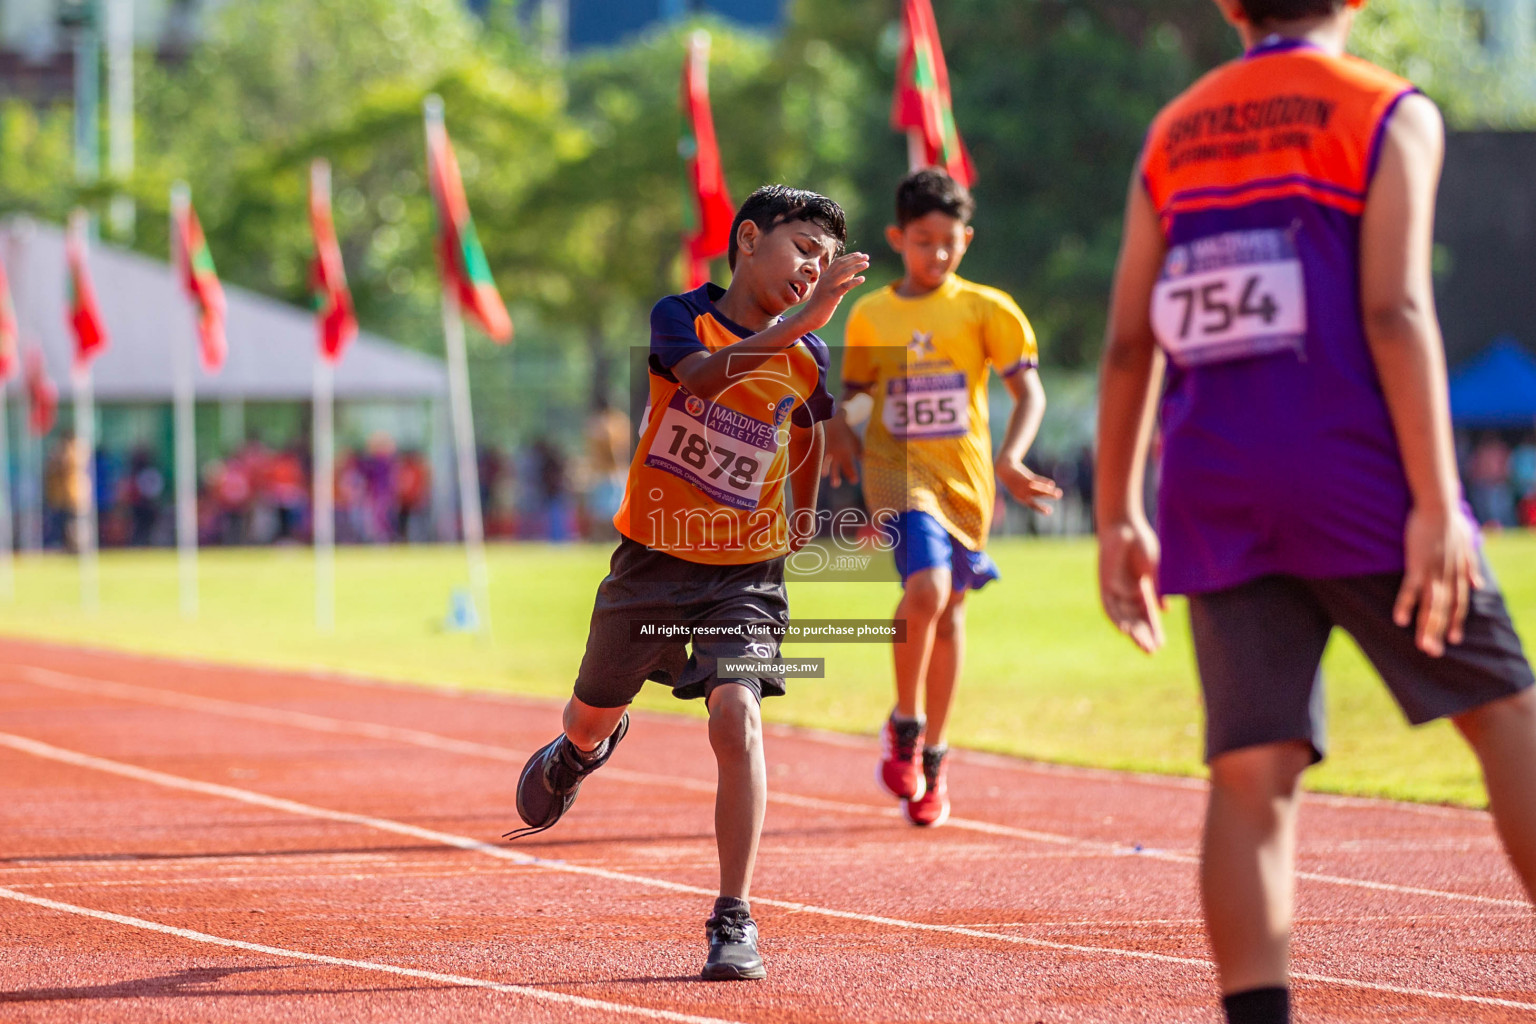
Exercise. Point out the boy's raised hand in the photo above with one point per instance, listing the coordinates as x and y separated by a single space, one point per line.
1029 489
1128 557
841 277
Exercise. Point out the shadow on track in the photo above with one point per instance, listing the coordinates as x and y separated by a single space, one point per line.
191 982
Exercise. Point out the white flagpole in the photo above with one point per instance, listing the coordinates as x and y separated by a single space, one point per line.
185 410
29 485
31 489
7 518
463 422
324 439
464 449
917 150
118 17
7 533
85 513
325 497
85 436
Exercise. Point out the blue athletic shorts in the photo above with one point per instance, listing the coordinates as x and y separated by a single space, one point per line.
923 543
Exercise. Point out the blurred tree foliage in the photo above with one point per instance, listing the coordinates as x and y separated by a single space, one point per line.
599 240
1434 44
572 167
1053 99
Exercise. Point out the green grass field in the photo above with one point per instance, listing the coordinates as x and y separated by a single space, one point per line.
1046 677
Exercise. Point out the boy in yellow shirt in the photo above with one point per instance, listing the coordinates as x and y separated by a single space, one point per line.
920 349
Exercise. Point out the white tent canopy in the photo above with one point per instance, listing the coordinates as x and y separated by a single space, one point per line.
271 344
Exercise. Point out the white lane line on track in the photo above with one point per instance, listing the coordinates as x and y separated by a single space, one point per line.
50 752
435 741
455 691
455 980
308 876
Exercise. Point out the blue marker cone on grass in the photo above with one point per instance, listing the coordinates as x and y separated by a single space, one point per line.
462 617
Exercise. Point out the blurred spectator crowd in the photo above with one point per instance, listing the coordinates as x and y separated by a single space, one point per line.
1500 474
384 494
256 495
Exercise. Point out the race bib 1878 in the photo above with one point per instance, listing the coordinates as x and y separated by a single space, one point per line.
1231 296
723 452
926 406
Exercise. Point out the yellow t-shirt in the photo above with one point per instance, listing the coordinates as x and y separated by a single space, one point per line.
924 360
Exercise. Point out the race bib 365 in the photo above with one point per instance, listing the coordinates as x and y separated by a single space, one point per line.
926 406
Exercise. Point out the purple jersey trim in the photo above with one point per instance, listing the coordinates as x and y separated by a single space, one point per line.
674 338
1279 44
1380 133
1022 364
1225 191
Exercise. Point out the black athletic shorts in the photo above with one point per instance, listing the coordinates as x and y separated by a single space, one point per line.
1259 646
734 611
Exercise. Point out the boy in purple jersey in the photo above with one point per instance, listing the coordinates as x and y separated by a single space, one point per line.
1276 263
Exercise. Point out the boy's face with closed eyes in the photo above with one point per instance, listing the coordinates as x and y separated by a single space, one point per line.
785 261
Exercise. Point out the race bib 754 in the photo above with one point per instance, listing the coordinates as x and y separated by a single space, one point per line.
1231 296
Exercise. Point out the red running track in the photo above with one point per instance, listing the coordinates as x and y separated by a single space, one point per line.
186 842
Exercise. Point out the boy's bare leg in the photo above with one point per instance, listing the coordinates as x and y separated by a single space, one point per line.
587 726
1247 865
1503 735
944 668
921 603
741 792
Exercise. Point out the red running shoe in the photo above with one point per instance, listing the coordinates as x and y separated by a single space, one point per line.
901 766
931 807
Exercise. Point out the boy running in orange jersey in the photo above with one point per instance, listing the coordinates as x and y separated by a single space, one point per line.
921 348
1276 262
738 394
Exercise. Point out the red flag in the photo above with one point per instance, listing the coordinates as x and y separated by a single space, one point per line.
327 277
921 104
459 255
84 314
42 395
711 212
8 329
201 282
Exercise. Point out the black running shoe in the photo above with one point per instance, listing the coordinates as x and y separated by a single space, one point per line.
550 779
733 952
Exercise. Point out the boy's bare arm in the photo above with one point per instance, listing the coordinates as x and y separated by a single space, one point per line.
1030 489
1398 304
843 448
706 374
806 445
1129 381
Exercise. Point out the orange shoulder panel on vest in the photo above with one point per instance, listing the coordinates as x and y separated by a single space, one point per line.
1296 123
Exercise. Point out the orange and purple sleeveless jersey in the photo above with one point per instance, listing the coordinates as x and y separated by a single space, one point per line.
706 483
1279 456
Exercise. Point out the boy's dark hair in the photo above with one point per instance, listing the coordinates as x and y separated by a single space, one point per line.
922 192
773 205
1264 12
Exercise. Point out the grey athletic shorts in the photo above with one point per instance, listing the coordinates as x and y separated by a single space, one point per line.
1259 646
726 611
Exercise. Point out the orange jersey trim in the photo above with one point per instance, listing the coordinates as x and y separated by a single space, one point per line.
675 513
1296 122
